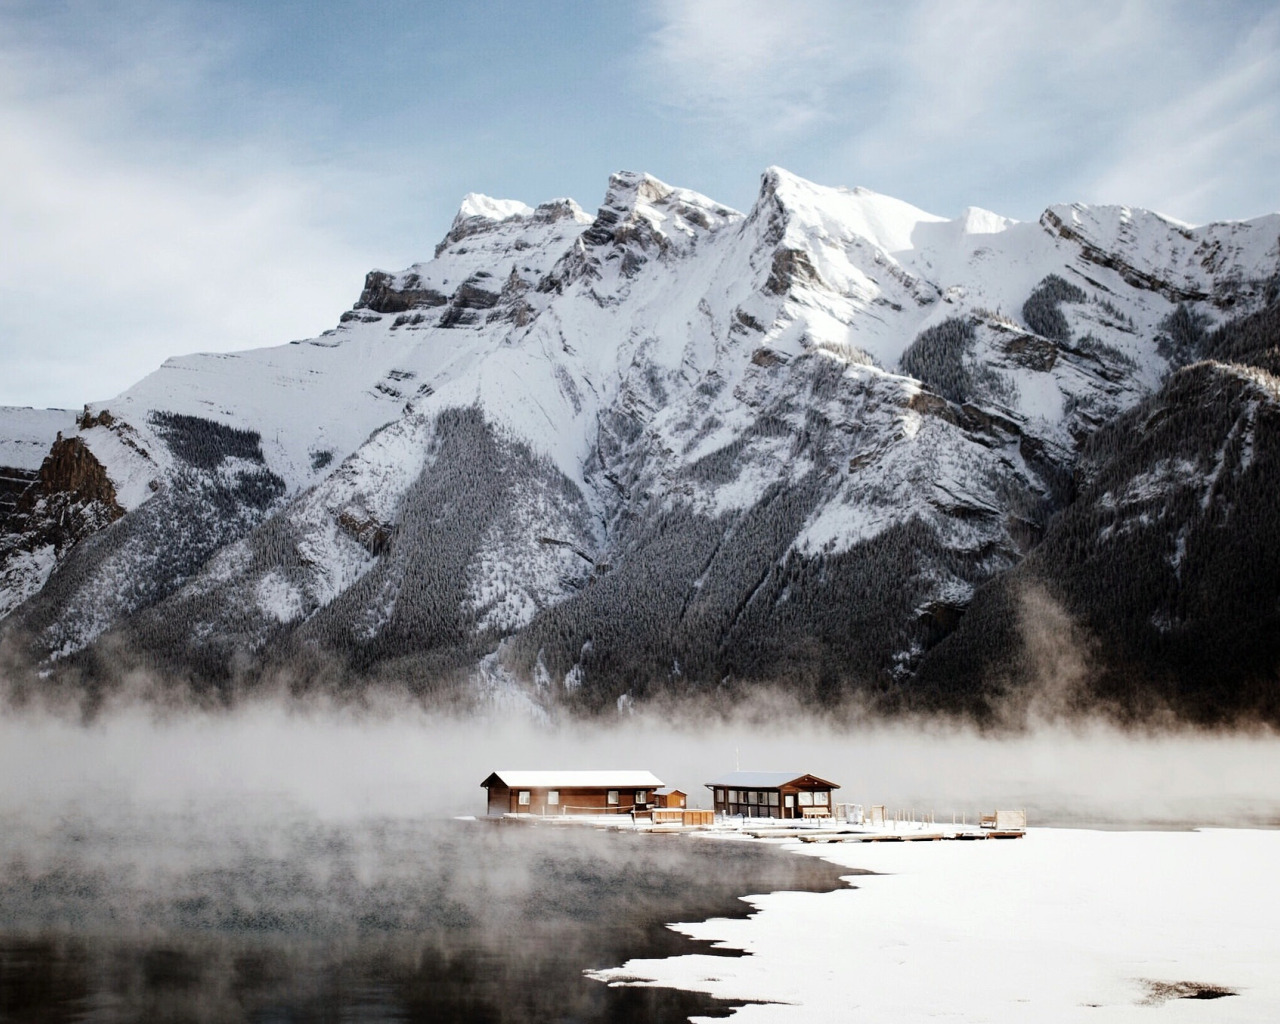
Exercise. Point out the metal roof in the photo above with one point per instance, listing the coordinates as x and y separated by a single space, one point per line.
607 779
763 780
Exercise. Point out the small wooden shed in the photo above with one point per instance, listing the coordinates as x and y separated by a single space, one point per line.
570 792
772 795
670 797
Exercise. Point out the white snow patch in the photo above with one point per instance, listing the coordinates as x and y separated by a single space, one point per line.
24 573
1153 484
27 434
1061 925
474 204
279 598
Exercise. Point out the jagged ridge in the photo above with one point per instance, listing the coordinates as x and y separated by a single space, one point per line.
670 446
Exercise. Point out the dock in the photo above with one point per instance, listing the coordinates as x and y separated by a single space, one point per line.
851 824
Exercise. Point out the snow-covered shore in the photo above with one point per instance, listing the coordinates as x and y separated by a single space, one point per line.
1062 925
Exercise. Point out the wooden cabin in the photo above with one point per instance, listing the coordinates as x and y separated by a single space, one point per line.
669 797
570 792
772 795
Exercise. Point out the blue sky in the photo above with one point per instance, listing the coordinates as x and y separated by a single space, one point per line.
215 174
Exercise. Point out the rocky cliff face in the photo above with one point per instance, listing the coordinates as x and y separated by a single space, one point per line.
671 448
69 498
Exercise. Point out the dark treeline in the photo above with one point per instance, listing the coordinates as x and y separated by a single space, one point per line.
408 621
1042 310
1168 561
1138 572
937 358
701 605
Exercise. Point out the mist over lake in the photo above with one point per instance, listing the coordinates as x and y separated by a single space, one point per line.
263 911
280 862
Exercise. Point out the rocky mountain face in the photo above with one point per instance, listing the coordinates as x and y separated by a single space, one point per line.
836 445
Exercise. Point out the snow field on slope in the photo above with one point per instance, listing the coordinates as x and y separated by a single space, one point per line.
309 398
26 434
25 572
667 339
368 487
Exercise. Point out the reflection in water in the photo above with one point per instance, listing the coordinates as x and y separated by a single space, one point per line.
228 916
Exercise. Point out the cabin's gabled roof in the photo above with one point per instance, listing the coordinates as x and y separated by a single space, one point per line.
769 780
668 790
606 779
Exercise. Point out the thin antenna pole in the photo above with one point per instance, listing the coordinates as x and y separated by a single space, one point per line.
737 760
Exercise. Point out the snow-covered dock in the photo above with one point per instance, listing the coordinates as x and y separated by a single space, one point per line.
806 831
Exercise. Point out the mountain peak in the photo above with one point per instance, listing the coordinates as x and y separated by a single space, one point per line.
639 205
479 212
790 203
974 220
651 447
627 188
475 204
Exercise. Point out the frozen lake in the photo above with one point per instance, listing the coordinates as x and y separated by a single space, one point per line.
1062 925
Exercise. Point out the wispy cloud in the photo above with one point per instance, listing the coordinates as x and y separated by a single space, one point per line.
1211 146
1169 105
124 242
763 70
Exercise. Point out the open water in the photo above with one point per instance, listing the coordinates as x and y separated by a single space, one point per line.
273 915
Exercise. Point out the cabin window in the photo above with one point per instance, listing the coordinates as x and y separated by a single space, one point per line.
820 798
806 799
679 801
751 796
553 798
733 796
719 796
642 796
613 797
791 800
773 799
524 798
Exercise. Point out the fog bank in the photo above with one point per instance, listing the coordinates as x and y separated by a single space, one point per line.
403 761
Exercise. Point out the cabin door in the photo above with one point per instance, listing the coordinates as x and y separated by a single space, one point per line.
788 805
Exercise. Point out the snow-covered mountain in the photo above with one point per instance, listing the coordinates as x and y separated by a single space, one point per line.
667 446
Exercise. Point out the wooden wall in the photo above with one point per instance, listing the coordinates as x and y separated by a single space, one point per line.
578 800
771 803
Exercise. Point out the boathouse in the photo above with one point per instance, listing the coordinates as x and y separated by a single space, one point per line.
570 792
772 795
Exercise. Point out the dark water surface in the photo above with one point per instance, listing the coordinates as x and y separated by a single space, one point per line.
284 917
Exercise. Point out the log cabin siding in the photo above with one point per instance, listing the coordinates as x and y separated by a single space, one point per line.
771 795
548 795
